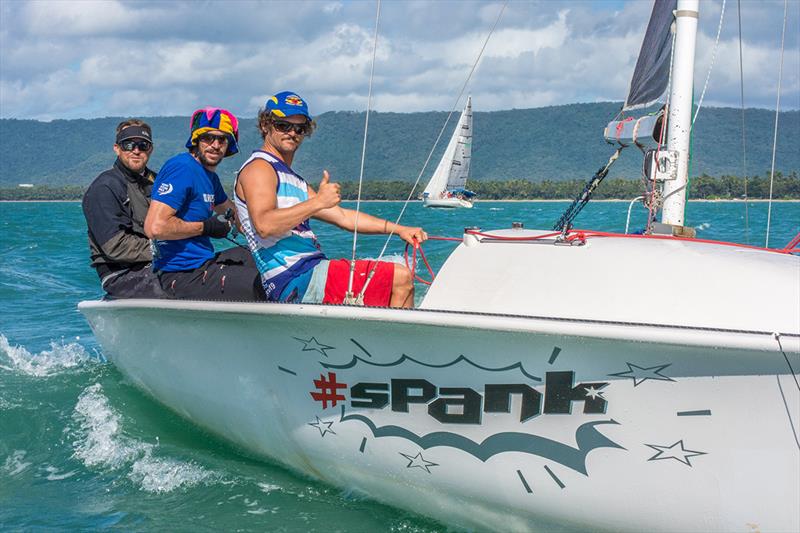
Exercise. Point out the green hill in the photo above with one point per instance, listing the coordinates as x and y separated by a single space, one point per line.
554 143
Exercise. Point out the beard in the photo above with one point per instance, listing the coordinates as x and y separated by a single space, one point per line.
204 160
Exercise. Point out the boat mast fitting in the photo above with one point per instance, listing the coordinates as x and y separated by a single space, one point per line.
680 110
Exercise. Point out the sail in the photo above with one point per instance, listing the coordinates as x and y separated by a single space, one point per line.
652 68
453 169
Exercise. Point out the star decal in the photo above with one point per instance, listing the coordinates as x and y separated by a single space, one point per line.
311 345
322 426
417 461
594 393
639 374
675 451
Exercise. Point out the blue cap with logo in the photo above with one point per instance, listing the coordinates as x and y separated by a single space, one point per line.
286 104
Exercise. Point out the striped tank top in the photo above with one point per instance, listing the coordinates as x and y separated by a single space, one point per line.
280 258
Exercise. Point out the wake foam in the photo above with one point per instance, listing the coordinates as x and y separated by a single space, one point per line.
15 463
100 443
59 358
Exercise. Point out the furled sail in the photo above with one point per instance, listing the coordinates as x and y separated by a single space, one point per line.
453 169
652 68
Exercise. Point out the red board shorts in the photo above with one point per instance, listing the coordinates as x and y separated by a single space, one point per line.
379 290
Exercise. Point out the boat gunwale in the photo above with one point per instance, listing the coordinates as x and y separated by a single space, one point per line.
593 328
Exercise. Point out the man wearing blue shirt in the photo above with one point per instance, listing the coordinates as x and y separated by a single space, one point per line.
187 209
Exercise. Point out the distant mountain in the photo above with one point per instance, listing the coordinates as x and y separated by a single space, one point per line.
555 143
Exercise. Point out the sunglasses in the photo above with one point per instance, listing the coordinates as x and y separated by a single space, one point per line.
210 138
285 127
130 144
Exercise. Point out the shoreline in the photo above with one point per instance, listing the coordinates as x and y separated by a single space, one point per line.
605 200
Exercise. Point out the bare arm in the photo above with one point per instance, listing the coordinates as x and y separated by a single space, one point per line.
257 185
162 224
346 219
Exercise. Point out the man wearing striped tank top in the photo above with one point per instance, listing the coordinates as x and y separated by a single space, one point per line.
275 204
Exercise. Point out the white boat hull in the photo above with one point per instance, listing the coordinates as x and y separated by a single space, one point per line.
449 203
631 427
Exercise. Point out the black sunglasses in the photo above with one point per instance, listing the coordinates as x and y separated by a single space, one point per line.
285 127
209 138
130 144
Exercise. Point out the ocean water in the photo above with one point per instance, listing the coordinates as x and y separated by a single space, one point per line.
81 449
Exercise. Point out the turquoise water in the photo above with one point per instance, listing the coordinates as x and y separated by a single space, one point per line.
81 449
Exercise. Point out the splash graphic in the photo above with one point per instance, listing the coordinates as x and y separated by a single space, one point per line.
587 437
405 358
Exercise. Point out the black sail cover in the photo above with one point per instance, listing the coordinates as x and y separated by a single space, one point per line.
652 68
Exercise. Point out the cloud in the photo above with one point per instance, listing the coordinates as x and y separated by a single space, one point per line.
97 58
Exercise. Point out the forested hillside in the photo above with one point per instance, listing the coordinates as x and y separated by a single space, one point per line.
551 143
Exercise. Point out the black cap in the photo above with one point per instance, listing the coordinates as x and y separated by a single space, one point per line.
134 132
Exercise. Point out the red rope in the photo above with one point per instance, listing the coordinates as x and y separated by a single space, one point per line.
792 244
413 266
577 235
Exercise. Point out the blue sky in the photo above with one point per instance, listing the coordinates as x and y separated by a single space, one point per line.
85 59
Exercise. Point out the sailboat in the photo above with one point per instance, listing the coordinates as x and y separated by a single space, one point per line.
587 381
447 186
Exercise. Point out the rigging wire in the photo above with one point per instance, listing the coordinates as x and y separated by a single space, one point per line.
777 113
777 337
435 144
744 142
713 60
349 293
449 115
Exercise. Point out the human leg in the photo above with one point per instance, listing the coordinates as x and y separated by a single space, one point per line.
402 287
379 290
230 276
138 283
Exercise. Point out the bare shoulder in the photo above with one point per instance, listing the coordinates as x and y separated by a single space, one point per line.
257 169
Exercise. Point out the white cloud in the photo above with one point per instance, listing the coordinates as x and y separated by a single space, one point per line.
78 17
95 58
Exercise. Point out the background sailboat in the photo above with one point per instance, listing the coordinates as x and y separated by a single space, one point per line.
447 186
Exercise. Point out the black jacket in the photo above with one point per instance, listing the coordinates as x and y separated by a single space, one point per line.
115 206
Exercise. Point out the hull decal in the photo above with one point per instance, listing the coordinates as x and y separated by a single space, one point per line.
555 477
640 374
556 351
417 461
328 390
363 445
524 483
362 348
587 437
311 345
700 412
292 372
461 358
323 426
674 451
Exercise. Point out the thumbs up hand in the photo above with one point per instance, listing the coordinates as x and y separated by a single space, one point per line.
329 194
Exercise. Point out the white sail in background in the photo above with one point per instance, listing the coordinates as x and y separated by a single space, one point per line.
452 172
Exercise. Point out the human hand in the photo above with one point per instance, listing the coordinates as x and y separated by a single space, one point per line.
413 236
329 194
216 226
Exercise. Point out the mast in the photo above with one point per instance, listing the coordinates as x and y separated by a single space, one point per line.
680 110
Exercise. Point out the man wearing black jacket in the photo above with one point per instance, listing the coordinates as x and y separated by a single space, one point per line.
115 206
